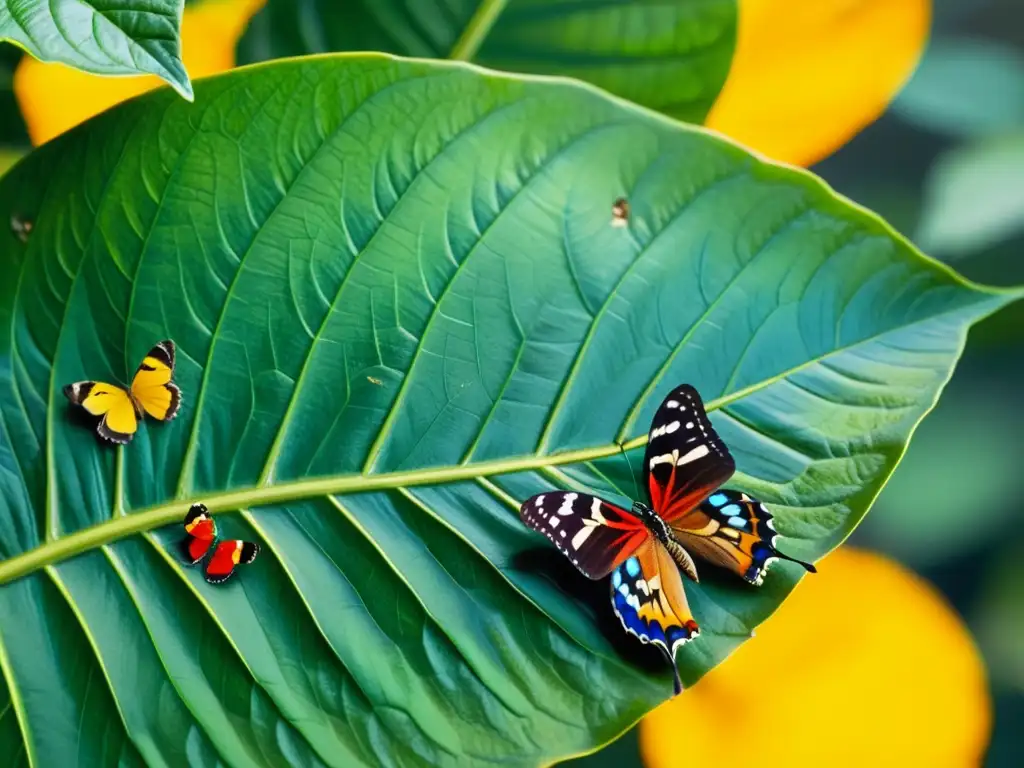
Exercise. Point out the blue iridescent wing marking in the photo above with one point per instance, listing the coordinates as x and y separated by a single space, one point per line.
648 597
734 531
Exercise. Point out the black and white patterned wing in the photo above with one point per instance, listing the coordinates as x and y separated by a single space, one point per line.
595 535
685 459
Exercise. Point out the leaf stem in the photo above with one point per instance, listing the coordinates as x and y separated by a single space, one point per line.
466 47
174 511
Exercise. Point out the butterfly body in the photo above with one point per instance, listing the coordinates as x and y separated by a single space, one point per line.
658 527
122 408
645 549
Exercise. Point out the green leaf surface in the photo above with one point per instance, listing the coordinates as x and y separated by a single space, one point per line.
670 55
401 307
117 37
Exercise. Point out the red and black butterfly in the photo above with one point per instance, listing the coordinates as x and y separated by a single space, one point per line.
644 549
200 538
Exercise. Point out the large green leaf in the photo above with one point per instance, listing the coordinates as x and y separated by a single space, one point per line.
669 55
400 307
123 37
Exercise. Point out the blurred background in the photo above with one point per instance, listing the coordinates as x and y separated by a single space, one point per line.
935 567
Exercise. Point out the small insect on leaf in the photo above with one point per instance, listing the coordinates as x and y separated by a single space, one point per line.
376 381
119 409
21 226
620 212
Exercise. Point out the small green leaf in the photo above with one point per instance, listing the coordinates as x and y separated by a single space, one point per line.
123 37
670 56
965 87
401 307
974 197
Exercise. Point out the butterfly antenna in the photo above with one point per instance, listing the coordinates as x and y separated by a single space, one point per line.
632 474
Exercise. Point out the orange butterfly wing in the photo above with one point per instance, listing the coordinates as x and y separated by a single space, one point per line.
226 556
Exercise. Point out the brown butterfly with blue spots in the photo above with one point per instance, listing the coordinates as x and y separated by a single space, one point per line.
644 549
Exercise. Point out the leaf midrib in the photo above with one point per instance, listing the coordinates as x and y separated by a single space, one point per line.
227 501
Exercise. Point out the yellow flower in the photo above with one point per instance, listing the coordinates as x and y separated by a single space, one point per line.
864 665
807 75
54 98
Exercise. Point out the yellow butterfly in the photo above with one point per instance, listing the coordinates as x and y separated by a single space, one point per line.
152 392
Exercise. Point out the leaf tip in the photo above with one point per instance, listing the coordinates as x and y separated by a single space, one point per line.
182 84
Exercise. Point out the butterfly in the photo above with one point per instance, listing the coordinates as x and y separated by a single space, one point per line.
201 537
120 409
644 549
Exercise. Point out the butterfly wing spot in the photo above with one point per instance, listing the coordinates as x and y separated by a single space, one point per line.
692 455
590 524
665 458
566 507
667 429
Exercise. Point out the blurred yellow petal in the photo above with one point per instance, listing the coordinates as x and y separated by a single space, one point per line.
808 75
54 98
865 664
